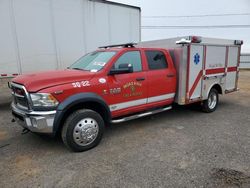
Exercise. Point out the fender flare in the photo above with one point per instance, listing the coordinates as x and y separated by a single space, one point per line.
73 100
217 83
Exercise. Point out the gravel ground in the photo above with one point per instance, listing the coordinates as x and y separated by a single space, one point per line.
179 148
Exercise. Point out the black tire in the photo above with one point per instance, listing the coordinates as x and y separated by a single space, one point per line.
71 126
207 106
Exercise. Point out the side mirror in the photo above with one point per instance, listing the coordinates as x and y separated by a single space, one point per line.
122 69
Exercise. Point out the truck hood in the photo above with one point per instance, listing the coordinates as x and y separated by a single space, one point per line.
41 80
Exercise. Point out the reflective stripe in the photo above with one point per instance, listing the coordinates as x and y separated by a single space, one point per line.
132 103
161 97
123 105
3 75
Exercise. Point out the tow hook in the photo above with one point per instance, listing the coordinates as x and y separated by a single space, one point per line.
25 131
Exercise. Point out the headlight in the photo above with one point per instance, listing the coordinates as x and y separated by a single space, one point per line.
43 100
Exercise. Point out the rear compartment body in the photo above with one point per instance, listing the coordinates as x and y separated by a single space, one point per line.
201 66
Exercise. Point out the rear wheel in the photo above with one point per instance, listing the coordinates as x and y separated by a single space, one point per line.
83 130
211 103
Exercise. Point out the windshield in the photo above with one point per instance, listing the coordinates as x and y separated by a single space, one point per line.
93 62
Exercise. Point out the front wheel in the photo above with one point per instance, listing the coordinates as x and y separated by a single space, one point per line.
82 130
211 103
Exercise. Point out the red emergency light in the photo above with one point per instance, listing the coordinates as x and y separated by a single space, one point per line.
190 39
195 39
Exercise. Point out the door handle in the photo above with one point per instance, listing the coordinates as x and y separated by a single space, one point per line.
170 75
140 79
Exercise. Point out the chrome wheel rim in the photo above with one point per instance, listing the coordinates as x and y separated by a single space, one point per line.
212 100
85 131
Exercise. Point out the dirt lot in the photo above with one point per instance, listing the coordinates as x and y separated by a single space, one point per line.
179 148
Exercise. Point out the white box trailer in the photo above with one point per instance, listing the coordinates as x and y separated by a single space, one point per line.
39 35
202 63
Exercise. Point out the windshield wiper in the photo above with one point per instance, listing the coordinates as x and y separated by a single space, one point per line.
76 68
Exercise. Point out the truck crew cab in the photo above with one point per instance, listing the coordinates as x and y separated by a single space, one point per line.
123 82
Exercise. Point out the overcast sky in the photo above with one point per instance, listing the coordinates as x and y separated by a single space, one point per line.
224 18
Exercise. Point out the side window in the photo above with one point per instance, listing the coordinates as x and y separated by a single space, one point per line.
156 60
133 58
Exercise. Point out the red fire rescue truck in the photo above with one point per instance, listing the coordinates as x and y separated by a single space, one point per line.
124 82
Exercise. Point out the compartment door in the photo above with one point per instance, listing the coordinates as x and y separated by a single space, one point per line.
232 68
194 83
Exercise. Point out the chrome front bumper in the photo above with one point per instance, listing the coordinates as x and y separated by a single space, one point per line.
39 122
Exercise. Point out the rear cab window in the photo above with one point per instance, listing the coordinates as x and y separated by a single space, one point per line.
156 60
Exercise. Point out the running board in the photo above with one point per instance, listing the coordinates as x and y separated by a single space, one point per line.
141 115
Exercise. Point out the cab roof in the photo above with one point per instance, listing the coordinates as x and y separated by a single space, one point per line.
126 45
119 47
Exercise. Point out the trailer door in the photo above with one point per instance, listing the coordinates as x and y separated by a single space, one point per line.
195 65
9 58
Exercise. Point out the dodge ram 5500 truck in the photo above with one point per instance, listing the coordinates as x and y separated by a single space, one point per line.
123 82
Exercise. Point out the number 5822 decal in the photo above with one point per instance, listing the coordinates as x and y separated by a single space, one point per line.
81 84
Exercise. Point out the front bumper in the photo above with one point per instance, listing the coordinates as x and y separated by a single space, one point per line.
39 122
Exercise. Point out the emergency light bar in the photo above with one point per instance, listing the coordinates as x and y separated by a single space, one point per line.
190 39
195 39
238 42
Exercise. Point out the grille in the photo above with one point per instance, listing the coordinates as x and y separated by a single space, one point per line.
20 98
